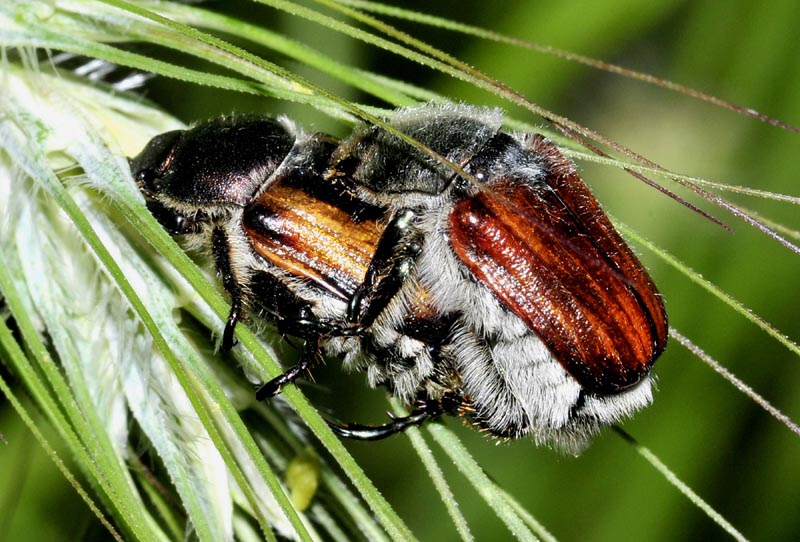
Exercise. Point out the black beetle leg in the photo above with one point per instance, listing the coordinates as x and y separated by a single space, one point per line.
307 360
393 261
221 250
394 258
425 411
228 339
292 316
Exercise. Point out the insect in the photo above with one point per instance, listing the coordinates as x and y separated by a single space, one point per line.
511 301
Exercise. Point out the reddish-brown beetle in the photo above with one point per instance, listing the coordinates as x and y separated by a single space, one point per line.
514 303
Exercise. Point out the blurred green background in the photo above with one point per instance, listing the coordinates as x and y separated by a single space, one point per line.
736 456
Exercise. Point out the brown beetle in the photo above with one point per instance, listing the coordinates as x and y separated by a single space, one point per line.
514 303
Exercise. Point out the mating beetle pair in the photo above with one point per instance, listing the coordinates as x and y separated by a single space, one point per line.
512 301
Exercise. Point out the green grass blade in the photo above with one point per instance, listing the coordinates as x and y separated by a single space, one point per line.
487 489
673 479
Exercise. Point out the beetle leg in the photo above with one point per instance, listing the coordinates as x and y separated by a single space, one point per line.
426 410
393 261
228 339
220 247
292 315
307 360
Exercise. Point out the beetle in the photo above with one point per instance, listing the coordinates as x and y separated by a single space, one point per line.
503 295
